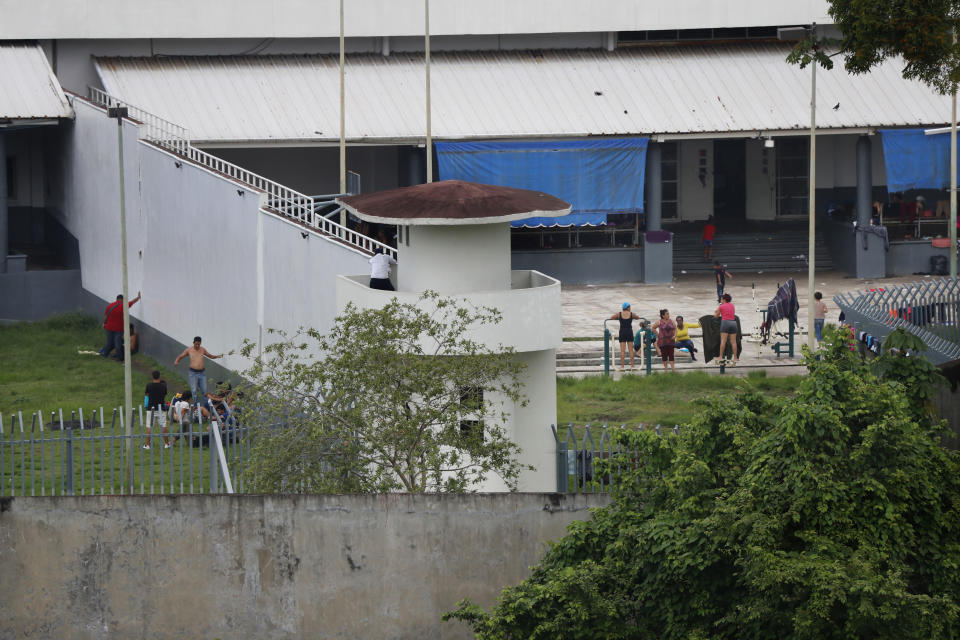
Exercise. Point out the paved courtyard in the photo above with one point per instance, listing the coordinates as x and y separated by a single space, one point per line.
586 306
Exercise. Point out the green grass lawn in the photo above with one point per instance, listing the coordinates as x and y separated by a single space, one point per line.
42 370
659 399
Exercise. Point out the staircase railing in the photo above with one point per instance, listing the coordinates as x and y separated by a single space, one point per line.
280 199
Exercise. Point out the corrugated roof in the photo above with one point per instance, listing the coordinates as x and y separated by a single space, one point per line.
662 90
28 88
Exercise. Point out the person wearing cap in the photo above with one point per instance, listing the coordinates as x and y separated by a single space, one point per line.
625 336
113 325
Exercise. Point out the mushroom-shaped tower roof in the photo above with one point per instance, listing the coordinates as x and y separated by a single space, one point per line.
452 202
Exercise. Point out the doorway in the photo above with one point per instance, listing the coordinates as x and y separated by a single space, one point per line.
729 179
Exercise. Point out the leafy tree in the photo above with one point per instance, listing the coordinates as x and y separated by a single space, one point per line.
920 32
834 514
398 398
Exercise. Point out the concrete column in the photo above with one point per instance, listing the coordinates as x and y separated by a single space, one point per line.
872 261
4 221
657 256
654 185
416 170
864 181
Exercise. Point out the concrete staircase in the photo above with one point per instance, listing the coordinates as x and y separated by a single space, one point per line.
749 251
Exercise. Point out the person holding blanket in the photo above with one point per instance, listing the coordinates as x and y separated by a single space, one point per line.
728 328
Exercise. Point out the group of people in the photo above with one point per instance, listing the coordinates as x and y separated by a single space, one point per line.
669 335
184 406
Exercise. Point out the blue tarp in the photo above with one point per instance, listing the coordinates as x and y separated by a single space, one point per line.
596 177
914 160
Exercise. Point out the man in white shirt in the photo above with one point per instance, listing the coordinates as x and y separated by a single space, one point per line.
380 270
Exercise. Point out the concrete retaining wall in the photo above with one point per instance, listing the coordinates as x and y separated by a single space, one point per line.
378 566
584 266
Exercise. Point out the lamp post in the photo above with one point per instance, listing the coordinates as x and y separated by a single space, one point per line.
120 113
426 47
812 204
343 124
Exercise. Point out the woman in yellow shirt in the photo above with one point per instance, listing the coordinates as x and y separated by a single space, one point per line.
683 336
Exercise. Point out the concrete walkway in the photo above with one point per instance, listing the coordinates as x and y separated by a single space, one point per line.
586 306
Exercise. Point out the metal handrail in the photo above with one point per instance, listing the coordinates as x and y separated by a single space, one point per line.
279 199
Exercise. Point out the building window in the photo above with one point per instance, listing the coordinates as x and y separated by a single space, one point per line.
471 402
669 166
793 176
11 178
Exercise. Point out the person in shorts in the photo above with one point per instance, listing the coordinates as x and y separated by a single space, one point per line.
709 230
625 335
728 327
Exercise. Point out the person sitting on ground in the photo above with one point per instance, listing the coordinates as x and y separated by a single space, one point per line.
683 336
113 325
134 340
666 332
728 327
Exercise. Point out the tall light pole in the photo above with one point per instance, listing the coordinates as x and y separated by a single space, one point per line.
812 204
426 47
953 179
343 124
120 113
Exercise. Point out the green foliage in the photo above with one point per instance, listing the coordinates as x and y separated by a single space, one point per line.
834 514
920 32
398 398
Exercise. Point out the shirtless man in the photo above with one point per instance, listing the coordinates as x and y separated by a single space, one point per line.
198 377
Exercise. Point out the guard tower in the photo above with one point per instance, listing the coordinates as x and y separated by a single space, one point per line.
454 238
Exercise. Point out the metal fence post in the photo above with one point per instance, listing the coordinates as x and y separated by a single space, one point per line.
68 463
561 461
606 350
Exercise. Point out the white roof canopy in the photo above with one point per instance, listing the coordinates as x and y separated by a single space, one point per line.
29 92
704 90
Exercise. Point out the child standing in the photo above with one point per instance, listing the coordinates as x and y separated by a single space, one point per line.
709 230
720 275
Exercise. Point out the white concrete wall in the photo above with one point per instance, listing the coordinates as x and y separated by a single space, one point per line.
207 260
43 19
531 325
455 259
695 199
837 161
531 315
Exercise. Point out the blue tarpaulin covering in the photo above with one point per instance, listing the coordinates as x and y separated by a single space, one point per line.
596 177
915 160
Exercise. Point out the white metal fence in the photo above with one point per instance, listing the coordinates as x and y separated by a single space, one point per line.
92 453
929 309
279 199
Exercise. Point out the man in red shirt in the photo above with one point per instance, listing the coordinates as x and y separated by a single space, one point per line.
708 230
113 325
